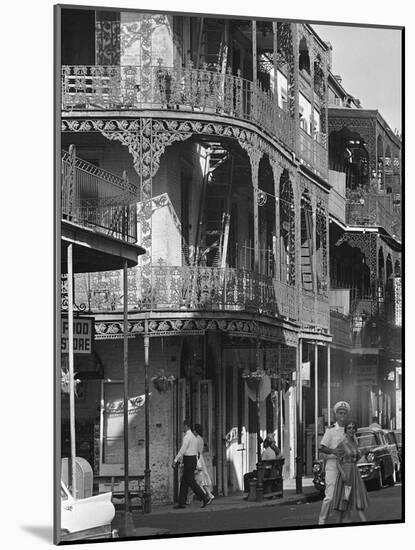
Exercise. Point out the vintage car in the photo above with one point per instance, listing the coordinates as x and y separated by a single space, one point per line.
378 465
380 462
394 437
319 477
86 518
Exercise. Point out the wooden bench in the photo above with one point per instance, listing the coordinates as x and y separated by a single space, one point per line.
111 483
266 481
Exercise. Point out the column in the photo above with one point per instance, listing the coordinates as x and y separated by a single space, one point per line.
275 61
316 400
328 385
254 69
294 29
299 415
125 367
147 471
72 473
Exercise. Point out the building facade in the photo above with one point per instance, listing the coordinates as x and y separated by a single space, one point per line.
221 127
365 257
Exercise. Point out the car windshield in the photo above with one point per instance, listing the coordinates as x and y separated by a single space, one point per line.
366 439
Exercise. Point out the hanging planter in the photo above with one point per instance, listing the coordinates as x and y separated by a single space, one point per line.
162 382
253 378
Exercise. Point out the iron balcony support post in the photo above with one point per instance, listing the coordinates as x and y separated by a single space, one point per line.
299 448
147 471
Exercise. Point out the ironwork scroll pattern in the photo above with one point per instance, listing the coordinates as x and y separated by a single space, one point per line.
367 243
191 289
131 87
105 330
107 42
287 227
322 263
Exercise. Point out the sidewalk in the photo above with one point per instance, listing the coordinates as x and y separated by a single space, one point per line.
231 502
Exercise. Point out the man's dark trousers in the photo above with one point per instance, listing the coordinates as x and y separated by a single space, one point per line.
188 480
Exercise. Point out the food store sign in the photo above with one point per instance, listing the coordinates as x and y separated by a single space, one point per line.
82 335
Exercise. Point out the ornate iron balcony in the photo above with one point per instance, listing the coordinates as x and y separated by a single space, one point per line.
191 289
92 197
129 88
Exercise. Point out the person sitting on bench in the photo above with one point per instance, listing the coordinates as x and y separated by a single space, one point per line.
268 453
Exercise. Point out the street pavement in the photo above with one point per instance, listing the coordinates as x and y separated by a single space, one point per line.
233 514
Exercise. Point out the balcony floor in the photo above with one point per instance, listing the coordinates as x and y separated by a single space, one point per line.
95 251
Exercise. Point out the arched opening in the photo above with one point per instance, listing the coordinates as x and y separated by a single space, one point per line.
381 273
348 153
287 230
266 218
319 83
307 242
304 57
380 164
397 268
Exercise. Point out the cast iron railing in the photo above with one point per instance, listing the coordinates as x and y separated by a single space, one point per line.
191 289
372 209
94 198
313 150
129 88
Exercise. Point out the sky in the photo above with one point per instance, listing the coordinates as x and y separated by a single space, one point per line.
370 64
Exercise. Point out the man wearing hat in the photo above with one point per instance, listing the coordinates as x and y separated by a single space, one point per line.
328 446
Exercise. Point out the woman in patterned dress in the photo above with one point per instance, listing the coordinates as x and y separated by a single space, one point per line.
202 477
350 491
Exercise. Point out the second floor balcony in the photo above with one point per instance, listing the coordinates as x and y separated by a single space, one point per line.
201 289
132 88
96 199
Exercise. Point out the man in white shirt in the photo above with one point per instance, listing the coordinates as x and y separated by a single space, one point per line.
328 445
188 453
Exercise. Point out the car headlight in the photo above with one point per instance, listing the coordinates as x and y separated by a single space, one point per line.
316 468
370 457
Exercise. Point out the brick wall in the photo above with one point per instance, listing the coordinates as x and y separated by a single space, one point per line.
165 355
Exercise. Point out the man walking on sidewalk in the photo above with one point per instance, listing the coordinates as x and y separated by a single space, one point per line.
328 445
188 452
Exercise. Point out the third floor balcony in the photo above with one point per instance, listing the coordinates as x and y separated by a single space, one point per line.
371 209
130 88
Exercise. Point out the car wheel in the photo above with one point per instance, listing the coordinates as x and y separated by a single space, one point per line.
379 480
399 473
392 478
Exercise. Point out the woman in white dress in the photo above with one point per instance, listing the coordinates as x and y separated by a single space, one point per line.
202 477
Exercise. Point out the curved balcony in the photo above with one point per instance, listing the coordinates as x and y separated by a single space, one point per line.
187 288
96 199
132 88
98 216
